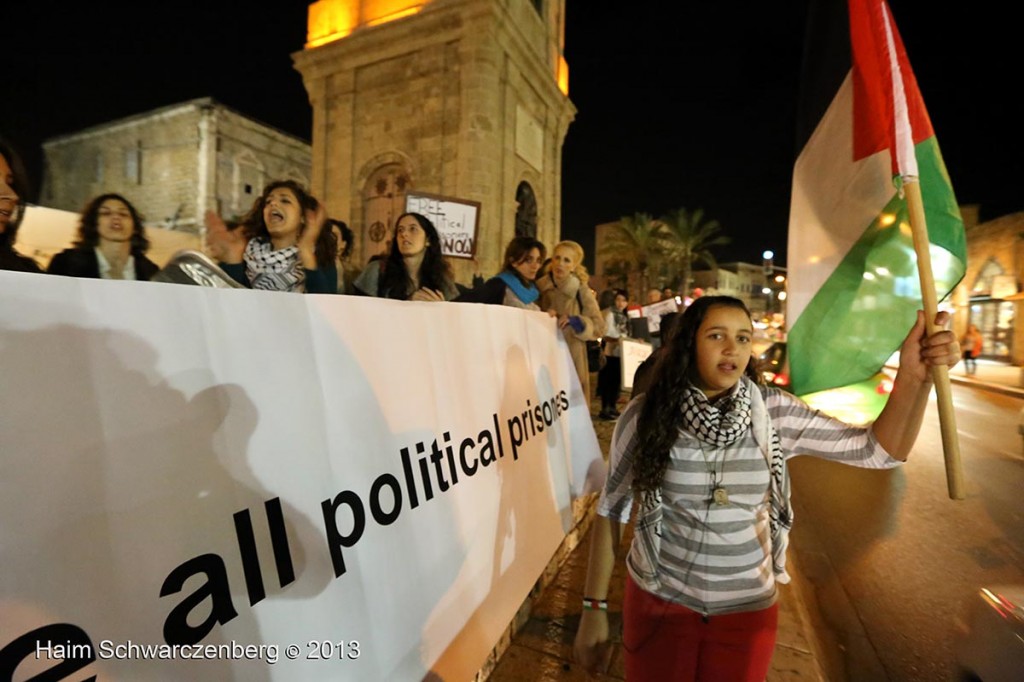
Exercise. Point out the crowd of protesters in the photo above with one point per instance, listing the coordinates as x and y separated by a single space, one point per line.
287 242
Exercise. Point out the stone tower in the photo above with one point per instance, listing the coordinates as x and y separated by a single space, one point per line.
465 99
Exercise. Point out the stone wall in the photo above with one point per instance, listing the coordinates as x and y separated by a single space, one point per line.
248 156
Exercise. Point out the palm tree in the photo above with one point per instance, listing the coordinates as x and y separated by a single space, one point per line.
639 240
689 240
616 273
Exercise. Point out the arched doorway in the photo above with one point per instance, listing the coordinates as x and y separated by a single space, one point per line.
383 201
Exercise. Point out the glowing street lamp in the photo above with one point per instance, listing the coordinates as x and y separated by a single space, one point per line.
768 268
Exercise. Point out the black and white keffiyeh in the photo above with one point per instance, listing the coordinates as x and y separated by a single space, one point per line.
723 423
272 270
718 424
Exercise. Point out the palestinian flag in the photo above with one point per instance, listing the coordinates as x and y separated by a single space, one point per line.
853 282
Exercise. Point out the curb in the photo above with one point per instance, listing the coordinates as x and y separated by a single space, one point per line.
1004 389
807 608
987 386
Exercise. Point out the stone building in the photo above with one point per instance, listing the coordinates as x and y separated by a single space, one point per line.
746 281
173 163
608 270
465 99
989 294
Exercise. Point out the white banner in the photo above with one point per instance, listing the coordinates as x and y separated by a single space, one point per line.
228 484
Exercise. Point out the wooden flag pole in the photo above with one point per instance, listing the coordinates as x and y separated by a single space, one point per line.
940 374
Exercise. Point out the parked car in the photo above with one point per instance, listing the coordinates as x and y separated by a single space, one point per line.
771 363
857 403
990 638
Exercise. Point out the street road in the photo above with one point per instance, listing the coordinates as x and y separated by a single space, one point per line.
892 560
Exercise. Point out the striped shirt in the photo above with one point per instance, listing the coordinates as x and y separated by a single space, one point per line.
711 558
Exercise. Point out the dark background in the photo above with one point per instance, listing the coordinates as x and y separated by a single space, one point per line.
690 108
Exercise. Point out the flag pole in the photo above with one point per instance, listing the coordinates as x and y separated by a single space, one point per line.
940 373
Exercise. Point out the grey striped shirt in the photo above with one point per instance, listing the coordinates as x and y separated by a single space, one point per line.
717 559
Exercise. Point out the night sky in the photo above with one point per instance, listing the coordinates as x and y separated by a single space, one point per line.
689 109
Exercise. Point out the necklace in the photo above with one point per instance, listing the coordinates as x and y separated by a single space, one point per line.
719 493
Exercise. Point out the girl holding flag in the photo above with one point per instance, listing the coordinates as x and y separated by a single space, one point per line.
704 453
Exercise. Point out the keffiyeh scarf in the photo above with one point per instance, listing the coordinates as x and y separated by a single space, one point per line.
272 270
722 424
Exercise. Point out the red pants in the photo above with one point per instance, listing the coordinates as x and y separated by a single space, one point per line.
666 641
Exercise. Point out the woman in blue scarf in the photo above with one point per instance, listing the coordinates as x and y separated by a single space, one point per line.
514 285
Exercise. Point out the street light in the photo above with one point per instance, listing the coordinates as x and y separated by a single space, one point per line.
768 268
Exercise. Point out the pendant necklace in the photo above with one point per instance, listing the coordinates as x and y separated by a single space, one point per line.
719 493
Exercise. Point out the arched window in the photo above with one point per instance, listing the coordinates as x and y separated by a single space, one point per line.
383 202
526 211
989 271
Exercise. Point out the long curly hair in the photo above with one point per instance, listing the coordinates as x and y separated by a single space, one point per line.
89 230
326 248
661 415
396 281
20 185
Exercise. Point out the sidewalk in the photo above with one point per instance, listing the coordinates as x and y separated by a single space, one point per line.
542 650
992 376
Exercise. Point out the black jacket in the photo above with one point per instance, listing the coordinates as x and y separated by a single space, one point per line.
82 262
12 260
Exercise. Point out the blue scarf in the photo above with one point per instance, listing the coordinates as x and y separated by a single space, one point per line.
525 294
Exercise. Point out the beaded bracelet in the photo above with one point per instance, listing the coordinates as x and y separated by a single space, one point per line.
595 604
